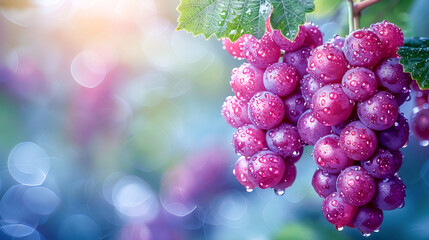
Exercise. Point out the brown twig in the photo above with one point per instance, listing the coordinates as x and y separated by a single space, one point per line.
355 12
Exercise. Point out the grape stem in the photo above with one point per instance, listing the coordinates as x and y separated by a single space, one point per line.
355 12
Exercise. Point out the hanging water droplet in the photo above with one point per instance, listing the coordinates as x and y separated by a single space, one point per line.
279 192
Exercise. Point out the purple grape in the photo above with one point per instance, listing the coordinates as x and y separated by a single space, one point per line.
403 97
368 219
391 75
309 86
266 110
246 81
359 84
337 211
358 141
337 41
242 175
287 179
299 60
339 127
310 129
363 48
398 157
235 112
396 136
295 158
286 44
324 183
284 140
266 169
280 79
294 107
379 112
355 186
248 140
330 105
420 124
235 49
390 193
329 156
381 165
327 64
313 36
261 53
390 35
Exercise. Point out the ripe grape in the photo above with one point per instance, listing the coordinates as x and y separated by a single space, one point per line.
379 112
396 136
355 186
309 86
313 35
330 105
391 75
249 140
310 129
324 183
246 81
241 173
363 48
390 193
368 219
299 60
235 49
337 41
261 53
294 107
359 84
381 165
284 140
390 35
337 211
266 110
420 124
266 169
287 180
358 141
235 112
329 156
280 79
327 64
286 44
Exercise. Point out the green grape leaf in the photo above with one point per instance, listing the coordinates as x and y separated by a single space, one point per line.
415 58
233 18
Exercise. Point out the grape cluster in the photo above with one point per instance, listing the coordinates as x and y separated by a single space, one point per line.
420 116
268 104
341 97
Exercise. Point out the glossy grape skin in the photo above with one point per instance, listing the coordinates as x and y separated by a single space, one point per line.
337 211
359 84
396 136
337 41
390 35
379 112
295 158
280 79
309 86
310 129
313 35
328 155
294 107
355 186
390 74
339 127
284 140
266 110
286 44
390 193
266 169
246 81
358 141
261 53
248 140
235 49
368 219
242 175
324 183
381 165
363 48
330 105
299 60
403 96
327 64
420 124
234 112
288 178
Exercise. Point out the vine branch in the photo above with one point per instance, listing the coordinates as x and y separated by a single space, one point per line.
355 12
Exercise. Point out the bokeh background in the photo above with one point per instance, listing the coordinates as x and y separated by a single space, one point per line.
110 128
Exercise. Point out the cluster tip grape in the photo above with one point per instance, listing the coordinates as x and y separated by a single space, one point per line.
341 97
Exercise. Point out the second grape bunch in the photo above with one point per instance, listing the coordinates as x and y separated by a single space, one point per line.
343 98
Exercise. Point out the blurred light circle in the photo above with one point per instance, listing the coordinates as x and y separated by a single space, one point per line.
135 231
28 164
88 69
79 227
47 3
9 57
41 200
134 198
147 90
232 206
188 50
109 184
24 17
17 230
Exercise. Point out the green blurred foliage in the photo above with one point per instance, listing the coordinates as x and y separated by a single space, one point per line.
308 230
